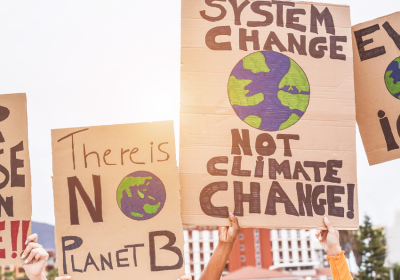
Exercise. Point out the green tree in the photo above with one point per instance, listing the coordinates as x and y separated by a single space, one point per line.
52 274
396 271
9 275
370 243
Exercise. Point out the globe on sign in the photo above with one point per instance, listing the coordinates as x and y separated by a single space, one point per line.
268 91
392 78
141 195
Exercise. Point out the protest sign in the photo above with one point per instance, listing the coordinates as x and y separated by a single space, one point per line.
267 114
15 178
117 204
376 47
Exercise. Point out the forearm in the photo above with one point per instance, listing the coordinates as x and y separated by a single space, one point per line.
217 263
37 277
340 269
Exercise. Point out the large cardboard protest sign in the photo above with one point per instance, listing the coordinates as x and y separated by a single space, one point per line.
376 47
267 114
15 178
117 204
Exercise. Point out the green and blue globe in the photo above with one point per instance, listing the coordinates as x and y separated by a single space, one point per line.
392 78
141 195
268 91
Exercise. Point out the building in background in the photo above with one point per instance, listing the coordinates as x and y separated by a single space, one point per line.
294 252
18 271
249 272
200 243
297 252
46 239
252 248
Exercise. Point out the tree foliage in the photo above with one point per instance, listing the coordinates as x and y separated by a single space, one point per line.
370 243
396 271
9 275
52 274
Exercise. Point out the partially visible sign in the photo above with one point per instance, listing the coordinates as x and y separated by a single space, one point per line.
376 46
117 203
15 178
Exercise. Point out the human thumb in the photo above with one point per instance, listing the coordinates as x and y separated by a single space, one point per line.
328 224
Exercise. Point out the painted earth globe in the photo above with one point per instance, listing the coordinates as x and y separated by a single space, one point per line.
392 78
268 91
141 195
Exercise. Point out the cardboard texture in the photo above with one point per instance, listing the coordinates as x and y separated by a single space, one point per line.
267 114
15 178
117 204
376 47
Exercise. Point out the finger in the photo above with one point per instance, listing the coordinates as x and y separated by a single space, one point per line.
222 230
322 235
31 238
63 277
328 224
32 254
317 233
234 221
29 248
41 255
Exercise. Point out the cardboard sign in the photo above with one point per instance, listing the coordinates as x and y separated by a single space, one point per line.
267 114
117 204
376 47
15 178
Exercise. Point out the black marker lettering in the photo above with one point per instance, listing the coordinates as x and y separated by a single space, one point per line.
292 20
241 142
304 199
333 199
273 40
212 170
256 8
205 200
220 7
275 167
325 17
95 212
77 242
237 10
267 150
300 47
169 247
243 39
365 55
282 198
237 168
253 198
213 33
387 132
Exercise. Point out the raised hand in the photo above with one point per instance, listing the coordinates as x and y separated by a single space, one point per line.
329 239
35 258
229 234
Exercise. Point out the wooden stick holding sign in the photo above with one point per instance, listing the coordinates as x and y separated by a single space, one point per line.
117 204
15 185
267 114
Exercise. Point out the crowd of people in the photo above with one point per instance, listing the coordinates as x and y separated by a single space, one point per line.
36 257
